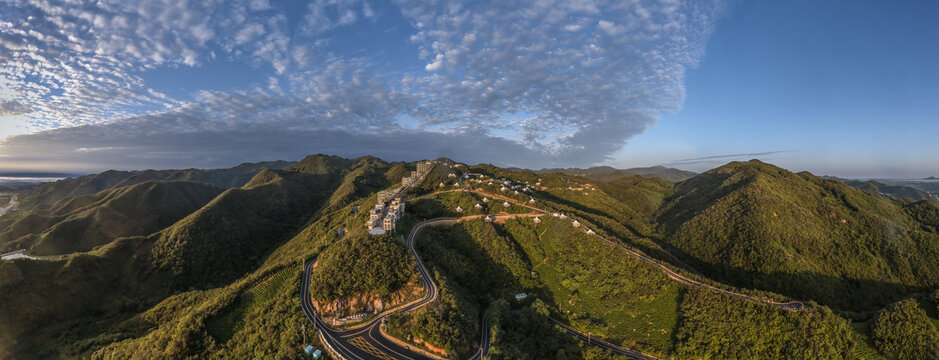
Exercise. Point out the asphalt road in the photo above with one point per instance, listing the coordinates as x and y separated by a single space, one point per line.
593 341
367 342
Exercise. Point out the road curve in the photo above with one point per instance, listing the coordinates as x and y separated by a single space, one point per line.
791 305
366 341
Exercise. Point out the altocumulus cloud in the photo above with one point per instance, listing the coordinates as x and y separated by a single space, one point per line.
543 83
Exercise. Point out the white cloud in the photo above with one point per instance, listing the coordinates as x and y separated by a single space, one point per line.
436 64
560 82
611 28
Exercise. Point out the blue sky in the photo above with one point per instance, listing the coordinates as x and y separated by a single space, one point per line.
842 88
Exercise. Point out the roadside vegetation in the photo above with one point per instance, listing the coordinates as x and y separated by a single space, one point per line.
210 266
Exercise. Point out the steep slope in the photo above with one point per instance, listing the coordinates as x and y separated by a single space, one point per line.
48 194
232 233
221 244
642 194
757 225
83 222
74 296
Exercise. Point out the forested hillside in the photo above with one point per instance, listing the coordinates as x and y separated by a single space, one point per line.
206 264
225 178
83 222
221 243
756 225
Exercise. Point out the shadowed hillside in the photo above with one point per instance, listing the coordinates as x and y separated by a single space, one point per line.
760 226
51 193
223 278
83 222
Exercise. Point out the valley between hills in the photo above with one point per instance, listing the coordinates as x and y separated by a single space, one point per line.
747 260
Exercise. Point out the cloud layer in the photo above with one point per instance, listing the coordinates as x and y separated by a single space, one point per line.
542 83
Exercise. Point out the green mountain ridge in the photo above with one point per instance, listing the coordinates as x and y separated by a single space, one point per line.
83 222
757 225
50 193
222 277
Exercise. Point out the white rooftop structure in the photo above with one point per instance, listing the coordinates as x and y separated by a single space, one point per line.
441 185
506 204
485 199
590 232
575 223
488 218
459 209
537 220
562 216
531 200
478 206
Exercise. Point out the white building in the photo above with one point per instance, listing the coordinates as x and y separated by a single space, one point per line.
537 220
459 209
506 204
478 206
485 200
575 223
590 232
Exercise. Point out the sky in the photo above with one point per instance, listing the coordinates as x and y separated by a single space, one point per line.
837 88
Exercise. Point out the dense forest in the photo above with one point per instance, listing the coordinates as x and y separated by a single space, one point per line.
362 264
207 263
756 225
904 331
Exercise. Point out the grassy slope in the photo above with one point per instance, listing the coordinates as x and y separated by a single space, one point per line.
600 289
756 225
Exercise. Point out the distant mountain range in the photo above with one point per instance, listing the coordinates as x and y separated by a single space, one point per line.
206 263
607 173
913 189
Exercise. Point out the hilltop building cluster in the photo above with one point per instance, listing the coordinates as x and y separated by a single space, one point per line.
389 208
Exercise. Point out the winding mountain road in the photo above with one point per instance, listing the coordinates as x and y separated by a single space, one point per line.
367 341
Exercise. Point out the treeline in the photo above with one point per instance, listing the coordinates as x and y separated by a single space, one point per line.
362 264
